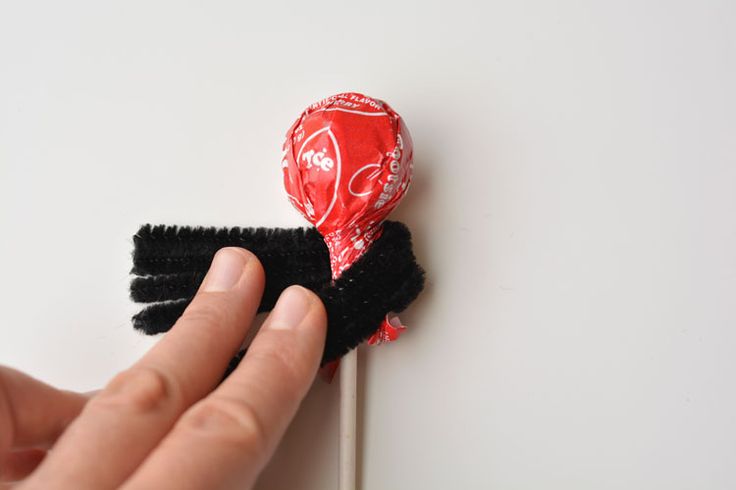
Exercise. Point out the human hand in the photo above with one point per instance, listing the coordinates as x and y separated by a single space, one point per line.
165 422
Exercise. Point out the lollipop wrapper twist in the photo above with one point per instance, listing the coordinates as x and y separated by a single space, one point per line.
347 162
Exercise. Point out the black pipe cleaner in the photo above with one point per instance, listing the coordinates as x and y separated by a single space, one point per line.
170 262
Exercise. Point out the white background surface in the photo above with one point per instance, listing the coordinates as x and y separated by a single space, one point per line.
573 204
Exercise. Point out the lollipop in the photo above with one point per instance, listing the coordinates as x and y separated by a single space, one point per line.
347 163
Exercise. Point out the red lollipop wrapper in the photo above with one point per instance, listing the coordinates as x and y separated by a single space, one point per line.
347 162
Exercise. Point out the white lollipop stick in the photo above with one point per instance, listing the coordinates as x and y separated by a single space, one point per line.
348 408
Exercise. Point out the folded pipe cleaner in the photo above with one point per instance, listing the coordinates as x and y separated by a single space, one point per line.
170 262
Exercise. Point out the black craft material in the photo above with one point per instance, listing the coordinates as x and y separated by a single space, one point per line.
171 262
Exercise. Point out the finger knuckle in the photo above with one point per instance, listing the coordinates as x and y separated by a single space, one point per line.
140 389
214 312
287 357
229 421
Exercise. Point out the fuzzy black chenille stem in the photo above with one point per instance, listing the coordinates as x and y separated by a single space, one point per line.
385 279
164 249
165 287
159 317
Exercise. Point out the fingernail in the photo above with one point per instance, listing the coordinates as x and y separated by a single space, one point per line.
226 269
290 309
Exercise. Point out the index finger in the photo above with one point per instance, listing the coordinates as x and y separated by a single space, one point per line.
123 423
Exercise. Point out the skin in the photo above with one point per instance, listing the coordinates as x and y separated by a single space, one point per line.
167 422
